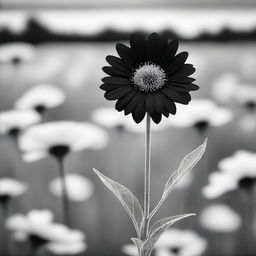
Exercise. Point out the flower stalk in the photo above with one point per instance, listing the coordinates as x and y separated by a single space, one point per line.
147 178
65 201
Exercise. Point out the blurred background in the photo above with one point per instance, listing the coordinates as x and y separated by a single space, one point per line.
64 43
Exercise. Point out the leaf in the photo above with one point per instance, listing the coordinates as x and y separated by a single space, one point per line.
185 166
128 200
158 228
138 243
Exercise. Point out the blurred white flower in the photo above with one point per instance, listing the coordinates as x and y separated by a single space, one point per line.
17 53
180 242
224 87
38 225
11 188
67 248
29 224
78 187
220 218
129 249
13 121
201 113
236 171
246 96
41 98
111 118
60 138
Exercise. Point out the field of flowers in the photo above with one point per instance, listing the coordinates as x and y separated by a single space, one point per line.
55 123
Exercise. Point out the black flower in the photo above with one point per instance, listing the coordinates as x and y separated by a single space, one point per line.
149 77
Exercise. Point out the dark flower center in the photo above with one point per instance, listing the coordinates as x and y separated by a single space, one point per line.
201 125
175 250
40 109
250 105
4 199
59 151
247 183
149 78
37 241
16 60
14 132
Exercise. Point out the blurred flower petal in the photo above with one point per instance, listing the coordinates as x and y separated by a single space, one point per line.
220 218
17 52
201 111
17 120
67 248
79 188
129 249
74 136
180 242
41 96
235 171
11 188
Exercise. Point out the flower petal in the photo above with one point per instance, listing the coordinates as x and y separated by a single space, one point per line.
126 54
114 72
131 106
185 71
174 96
119 64
140 111
169 53
116 80
177 62
117 93
139 46
121 103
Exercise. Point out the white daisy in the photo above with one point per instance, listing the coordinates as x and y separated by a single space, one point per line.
60 138
78 187
201 113
236 171
13 121
41 98
110 118
224 87
175 242
38 225
17 53
11 188
220 218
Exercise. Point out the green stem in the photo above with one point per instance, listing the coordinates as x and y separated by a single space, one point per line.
65 201
147 179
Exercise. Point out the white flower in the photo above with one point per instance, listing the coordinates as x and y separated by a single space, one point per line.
41 97
201 113
180 242
111 118
224 87
245 95
60 138
11 188
220 218
130 250
13 121
17 53
78 187
57 238
30 223
67 248
236 171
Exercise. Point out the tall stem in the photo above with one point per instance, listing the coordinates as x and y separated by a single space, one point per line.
147 178
65 201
